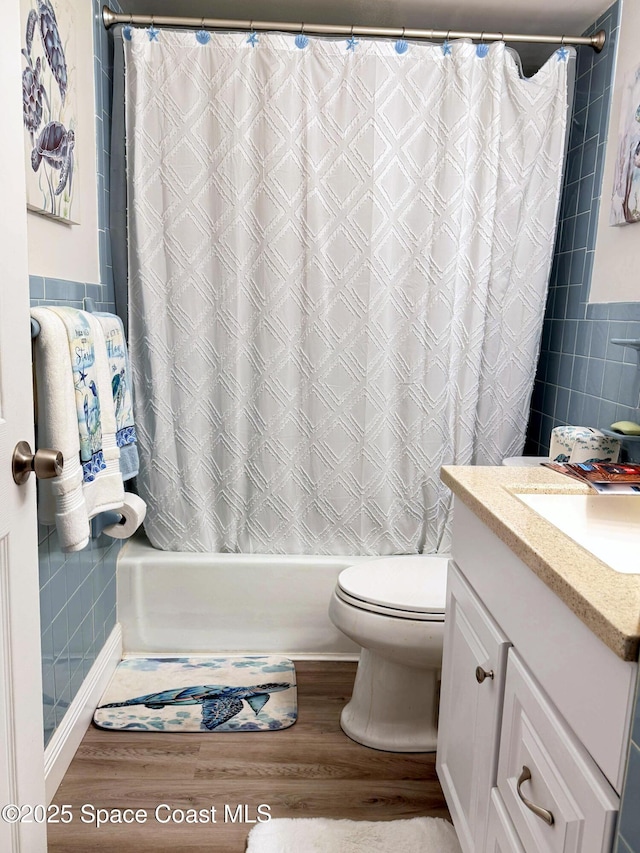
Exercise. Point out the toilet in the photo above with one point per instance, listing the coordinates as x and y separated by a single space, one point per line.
524 461
394 608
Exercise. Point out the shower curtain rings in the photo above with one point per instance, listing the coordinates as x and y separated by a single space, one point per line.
482 49
563 53
302 29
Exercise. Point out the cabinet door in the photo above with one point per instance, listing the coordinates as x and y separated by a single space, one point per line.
470 710
501 835
540 755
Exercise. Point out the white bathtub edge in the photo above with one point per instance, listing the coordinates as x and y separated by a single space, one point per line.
197 604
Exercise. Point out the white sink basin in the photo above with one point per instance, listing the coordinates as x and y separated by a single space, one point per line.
608 526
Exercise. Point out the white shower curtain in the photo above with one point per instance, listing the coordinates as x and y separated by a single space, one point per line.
339 253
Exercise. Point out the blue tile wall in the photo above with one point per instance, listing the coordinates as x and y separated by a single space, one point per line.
629 824
582 378
78 591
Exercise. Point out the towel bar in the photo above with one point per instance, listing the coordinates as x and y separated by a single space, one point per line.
87 305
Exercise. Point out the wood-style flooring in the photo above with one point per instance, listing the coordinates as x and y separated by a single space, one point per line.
309 770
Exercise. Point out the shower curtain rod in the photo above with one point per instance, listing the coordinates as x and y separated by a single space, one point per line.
109 18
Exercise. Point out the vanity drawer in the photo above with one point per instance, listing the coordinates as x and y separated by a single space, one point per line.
541 755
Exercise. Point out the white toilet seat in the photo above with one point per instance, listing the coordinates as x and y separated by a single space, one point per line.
404 587
388 611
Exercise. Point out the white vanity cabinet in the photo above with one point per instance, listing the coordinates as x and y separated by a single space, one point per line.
535 710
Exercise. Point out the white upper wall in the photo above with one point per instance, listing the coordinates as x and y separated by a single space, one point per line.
56 249
617 254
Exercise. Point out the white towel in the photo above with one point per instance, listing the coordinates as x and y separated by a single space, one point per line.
85 488
61 500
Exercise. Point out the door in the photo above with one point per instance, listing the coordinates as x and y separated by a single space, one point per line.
21 732
473 668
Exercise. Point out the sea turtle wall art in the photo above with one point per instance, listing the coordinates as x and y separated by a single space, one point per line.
49 107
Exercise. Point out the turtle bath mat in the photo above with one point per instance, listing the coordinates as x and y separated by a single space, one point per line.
231 694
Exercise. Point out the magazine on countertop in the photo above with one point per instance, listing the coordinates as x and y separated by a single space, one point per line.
612 478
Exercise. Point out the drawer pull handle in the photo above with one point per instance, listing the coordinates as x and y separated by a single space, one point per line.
481 674
546 816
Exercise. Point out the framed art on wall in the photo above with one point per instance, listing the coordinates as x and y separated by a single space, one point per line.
50 108
625 198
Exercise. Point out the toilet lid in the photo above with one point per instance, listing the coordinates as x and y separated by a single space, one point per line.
412 584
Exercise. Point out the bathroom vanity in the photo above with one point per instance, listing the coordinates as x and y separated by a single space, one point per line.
539 673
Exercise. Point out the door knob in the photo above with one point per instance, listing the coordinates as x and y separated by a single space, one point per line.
481 674
45 463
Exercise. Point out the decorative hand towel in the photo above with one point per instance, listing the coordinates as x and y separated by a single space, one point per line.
61 500
121 388
71 358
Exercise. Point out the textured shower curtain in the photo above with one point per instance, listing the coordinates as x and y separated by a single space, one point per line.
339 253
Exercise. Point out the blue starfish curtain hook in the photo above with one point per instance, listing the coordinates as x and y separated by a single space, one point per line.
563 53
152 31
252 39
351 41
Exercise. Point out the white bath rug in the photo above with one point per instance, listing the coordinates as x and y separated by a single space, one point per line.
320 835
241 694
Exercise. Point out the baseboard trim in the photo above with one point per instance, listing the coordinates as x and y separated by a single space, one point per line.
67 737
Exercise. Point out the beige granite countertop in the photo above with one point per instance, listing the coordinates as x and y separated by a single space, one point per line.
607 601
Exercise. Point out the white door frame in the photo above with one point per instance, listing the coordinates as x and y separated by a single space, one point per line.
21 729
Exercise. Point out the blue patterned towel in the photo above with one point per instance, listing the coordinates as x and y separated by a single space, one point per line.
122 396
82 350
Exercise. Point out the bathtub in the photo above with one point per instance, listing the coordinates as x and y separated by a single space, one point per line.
182 602
177 602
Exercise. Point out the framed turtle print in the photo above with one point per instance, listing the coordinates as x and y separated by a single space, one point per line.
625 198
49 108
